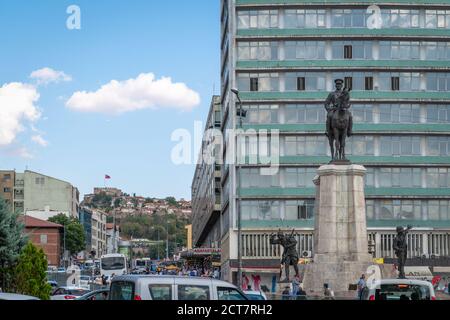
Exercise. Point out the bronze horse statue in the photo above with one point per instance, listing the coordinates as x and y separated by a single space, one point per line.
339 124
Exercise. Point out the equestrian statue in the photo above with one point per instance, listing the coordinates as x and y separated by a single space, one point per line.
339 120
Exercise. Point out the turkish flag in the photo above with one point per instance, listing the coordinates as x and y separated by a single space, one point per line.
107 177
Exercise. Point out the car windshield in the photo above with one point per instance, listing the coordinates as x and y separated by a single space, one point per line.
403 292
113 263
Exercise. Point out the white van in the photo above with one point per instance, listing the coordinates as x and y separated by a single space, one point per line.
136 287
399 289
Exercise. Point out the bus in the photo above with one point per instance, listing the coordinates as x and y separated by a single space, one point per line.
113 264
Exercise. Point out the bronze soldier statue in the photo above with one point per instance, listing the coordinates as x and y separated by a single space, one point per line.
290 254
401 249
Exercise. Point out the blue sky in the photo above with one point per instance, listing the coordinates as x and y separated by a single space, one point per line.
118 40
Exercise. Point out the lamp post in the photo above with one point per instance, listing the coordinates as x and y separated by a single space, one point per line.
241 115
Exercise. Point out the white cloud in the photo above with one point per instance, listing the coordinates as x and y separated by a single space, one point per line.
39 140
143 92
48 75
21 152
17 106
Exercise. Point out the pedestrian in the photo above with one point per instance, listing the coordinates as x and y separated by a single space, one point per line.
301 294
286 293
361 286
104 280
295 286
256 282
328 293
245 282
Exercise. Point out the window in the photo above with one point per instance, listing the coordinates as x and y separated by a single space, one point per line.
254 83
301 84
348 82
348 52
40 181
191 293
395 83
299 210
6 177
122 291
229 294
160 292
7 190
369 83
43 239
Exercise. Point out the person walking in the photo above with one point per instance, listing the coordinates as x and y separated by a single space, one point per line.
286 293
245 282
361 286
295 287
328 293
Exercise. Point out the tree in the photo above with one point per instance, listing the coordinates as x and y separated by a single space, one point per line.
117 203
172 201
12 240
30 273
74 233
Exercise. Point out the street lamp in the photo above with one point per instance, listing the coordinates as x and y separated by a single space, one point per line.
241 113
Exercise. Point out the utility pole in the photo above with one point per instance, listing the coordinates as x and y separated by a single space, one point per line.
167 240
238 190
64 254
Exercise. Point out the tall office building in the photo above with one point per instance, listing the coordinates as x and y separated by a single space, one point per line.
284 56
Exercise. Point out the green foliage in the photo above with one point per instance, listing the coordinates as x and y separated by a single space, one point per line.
102 201
172 201
154 228
29 275
12 240
75 238
117 203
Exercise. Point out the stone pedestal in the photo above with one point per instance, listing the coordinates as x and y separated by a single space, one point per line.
340 240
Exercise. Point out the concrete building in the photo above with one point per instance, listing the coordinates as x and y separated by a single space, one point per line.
98 242
113 192
7 179
206 188
42 195
284 56
47 236
112 238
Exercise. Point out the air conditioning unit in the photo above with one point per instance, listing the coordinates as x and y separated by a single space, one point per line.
307 254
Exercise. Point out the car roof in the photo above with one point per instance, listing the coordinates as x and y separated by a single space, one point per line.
13 296
403 281
135 278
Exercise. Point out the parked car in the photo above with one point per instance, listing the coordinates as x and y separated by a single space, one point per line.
399 289
61 270
255 295
98 295
16 297
135 287
54 284
85 282
68 293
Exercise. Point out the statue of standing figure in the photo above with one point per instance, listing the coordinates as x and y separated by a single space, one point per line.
339 120
401 249
290 255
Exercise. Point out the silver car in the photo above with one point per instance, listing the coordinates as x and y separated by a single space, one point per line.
136 287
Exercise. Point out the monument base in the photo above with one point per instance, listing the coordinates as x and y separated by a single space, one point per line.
342 277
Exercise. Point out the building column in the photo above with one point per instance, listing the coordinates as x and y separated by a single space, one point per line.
425 250
378 245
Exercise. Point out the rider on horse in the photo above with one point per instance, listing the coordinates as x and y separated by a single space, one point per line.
340 97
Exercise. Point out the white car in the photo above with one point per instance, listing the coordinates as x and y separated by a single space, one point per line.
68 293
255 295
85 282
399 289
16 297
